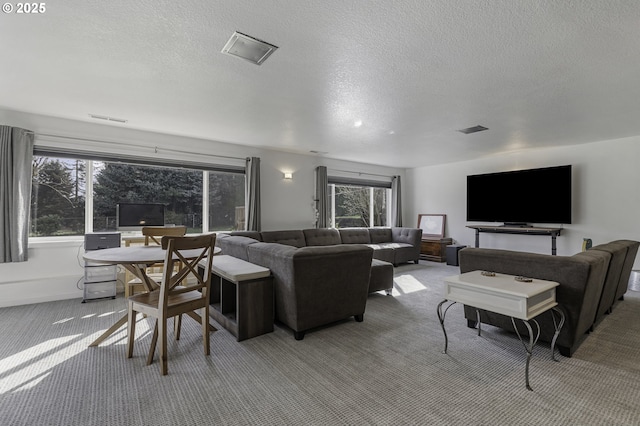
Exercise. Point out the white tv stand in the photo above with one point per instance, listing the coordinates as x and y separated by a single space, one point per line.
522 230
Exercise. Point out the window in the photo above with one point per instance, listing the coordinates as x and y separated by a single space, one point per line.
59 203
180 190
353 205
57 197
226 201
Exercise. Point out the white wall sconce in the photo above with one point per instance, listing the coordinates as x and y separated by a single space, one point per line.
288 175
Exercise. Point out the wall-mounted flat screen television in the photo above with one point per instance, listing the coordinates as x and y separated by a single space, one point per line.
521 197
133 216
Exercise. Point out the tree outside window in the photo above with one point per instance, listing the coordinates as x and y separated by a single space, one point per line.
357 206
226 201
180 190
58 199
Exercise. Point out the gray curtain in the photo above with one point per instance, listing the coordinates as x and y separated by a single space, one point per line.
322 188
252 182
396 202
16 156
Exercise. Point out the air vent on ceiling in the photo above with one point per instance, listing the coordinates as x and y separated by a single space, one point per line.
248 48
104 117
473 129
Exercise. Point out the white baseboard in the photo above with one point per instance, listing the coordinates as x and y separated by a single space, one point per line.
40 290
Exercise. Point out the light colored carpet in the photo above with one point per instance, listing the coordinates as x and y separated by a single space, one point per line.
387 370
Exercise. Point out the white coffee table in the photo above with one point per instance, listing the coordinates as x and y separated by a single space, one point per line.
504 294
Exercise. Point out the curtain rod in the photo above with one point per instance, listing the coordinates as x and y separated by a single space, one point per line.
361 173
155 148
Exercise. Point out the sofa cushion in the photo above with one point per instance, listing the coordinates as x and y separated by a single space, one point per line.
293 238
355 236
321 236
380 235
382 253
411 236
236 270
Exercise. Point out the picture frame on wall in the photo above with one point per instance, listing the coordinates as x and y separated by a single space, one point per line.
432 225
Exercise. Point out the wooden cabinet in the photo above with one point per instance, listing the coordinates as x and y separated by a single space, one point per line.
435 250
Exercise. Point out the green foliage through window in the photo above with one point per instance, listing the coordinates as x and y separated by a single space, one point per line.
180 190
57 197
355 206
59 185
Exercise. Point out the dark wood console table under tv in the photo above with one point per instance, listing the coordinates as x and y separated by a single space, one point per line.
522 230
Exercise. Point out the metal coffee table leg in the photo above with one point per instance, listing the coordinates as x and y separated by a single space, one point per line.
441 315
557 327
528 347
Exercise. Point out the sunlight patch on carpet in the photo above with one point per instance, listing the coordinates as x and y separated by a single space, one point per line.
405 284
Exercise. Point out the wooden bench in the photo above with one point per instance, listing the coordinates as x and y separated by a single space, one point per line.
241 297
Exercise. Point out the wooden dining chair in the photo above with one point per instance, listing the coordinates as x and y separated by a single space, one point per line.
152 235
172 299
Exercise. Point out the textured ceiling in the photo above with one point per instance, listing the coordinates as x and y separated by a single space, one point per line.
536 73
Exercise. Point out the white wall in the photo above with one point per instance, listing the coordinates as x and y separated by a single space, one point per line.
606 198
53 270
605 205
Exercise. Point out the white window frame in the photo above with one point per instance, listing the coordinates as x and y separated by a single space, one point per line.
332 192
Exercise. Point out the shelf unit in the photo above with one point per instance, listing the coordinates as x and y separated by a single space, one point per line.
99 279
241 299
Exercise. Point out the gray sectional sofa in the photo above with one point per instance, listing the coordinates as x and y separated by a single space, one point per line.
325 275
393 245
590 283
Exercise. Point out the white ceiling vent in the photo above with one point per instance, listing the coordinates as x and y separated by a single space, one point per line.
248 48
474 129
104 117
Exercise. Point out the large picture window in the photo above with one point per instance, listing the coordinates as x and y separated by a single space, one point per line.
353 205
61 202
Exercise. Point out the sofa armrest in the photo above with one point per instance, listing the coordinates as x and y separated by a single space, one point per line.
235 246
411 236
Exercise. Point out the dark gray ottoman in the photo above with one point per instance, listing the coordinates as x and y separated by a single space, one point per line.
381 276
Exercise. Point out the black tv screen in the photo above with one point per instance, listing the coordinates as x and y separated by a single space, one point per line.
133 216
521 197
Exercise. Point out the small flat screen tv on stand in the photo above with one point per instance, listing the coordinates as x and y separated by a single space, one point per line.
131 217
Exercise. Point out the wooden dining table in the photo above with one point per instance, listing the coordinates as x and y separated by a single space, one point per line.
136 259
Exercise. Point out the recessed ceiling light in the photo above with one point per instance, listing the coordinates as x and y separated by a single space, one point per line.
473 129
248 48
357 123
104 117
